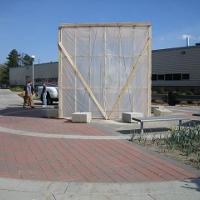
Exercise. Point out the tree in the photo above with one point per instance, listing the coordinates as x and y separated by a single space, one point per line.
4 74
27 60
13 59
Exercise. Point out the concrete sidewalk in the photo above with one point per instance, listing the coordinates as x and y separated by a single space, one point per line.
37 190
9 99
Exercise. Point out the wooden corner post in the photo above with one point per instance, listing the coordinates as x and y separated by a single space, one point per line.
60 73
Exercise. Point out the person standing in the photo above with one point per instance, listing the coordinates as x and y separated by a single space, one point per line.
44 95
29 91
31 96
25 96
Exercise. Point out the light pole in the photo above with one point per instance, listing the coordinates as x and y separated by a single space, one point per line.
33 71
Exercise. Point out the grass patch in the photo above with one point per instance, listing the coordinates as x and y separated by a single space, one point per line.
17 88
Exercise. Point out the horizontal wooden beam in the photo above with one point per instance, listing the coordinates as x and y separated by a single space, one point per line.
124 24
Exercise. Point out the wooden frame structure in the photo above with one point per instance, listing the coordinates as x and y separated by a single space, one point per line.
68 36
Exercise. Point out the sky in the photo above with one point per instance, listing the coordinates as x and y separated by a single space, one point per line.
31 26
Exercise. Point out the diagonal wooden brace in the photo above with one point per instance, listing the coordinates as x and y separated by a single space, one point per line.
130 77
85 84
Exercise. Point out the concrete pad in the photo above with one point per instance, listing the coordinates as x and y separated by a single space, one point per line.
103 197
137 191
188 189
16 195
127 116
81 117
58 187
8 184
161 111
184 196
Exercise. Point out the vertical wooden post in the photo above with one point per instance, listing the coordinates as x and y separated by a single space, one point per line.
120 63
149 74
60 73
104 73
133 105
75 81
90 70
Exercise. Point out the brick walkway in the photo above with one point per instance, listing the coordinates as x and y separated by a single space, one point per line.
37 158
27 157
56 126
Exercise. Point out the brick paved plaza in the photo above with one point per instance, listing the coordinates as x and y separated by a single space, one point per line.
58 159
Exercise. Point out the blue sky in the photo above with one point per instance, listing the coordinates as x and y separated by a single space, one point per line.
31 26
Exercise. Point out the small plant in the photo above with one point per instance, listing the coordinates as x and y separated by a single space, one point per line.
186 140
184 143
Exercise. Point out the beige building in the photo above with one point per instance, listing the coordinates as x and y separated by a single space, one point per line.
42 72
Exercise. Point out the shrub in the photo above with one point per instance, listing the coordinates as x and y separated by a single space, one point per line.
186 140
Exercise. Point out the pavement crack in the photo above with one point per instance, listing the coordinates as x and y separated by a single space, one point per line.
53 195
66 188
151 196
49 185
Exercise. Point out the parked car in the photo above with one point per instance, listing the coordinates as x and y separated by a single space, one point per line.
52 94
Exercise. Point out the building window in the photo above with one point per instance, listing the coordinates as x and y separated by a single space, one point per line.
161 77
176 77
168 77
185 76
183 52
154 77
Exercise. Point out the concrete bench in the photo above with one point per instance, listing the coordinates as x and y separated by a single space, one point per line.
127 116
81 117
159 119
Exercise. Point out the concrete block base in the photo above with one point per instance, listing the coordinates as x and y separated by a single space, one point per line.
127 116
161 111
81 117
51 113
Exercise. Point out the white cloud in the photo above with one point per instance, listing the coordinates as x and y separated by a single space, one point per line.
184 36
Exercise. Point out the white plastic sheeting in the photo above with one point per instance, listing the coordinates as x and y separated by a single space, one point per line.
104 69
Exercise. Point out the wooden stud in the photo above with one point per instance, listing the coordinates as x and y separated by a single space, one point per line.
90 69
104 72
75 81
149 76
60 103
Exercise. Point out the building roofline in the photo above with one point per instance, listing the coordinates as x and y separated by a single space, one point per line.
177 48
55 62
45 63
